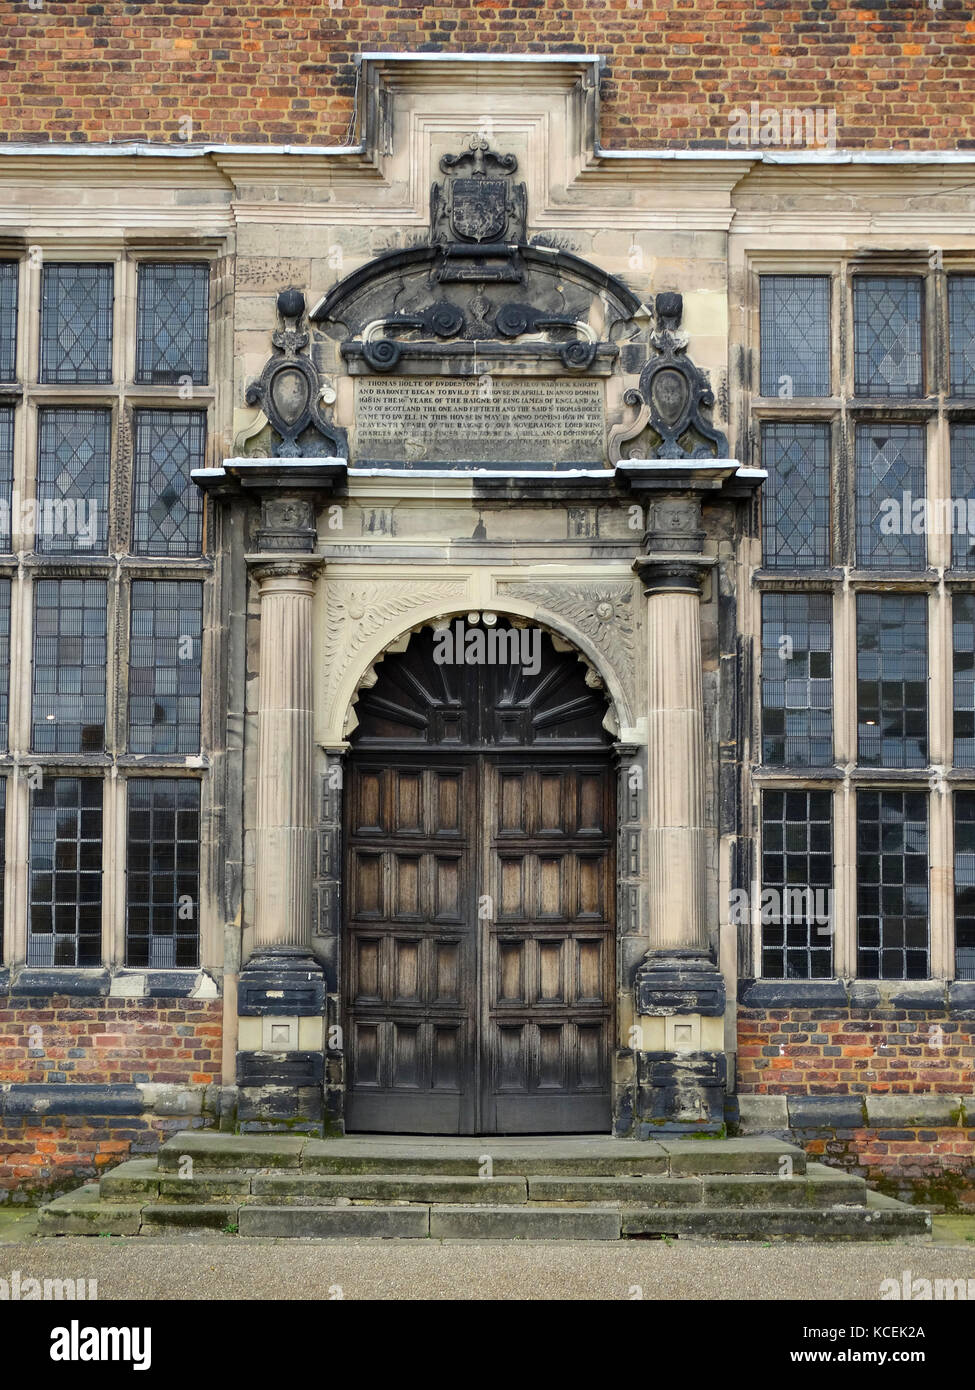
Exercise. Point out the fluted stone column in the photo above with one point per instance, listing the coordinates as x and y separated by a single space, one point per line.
284 834
676 850
679 991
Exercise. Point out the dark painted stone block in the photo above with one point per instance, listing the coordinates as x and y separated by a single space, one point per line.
288 983
961 998
171 984
36 980
57 1099
788 994
920 994
680 1088
864 994
826 1112
676 982
280 1069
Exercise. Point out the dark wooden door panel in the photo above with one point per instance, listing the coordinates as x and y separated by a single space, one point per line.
548 950
411 950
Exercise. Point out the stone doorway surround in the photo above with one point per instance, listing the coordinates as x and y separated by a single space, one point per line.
629 606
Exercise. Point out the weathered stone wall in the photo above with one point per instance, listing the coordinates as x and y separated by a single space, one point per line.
897 74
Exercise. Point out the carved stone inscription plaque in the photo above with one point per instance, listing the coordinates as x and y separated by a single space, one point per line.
493 421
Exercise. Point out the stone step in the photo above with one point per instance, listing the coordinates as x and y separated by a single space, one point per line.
390 1187
880 1218
199 1152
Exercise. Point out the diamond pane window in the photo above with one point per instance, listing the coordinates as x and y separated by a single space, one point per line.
892 885
76 323
171 323
6 473
965 885
892 680
961 333
168 506
795 497
797 885
73 451
795 335
890 464
162 877
963 496
9 275
70 650
65 921
797 679
887 335
963 667
4 661
164 666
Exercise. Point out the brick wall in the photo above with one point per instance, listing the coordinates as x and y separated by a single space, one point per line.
113 1041
899 75
886 1093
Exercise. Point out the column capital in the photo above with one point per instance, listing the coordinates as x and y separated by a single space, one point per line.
302 571
670 574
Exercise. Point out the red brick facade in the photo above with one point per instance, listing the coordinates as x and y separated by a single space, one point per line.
819 1052
862 1054
110 1041
899 76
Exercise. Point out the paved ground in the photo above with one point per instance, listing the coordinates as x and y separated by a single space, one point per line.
226 1267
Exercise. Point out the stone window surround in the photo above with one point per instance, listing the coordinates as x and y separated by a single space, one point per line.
842 411
122 396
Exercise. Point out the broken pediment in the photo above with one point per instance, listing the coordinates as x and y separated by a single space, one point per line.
477 281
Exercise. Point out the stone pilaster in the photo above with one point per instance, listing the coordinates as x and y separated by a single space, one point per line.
679 992
284 838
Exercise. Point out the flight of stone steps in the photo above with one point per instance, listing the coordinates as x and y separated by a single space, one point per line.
576 1188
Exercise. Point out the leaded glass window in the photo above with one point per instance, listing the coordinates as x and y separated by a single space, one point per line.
171 323
892 885
169 444
73 451
797 885
65 922
963 496
892 680
890 466
797 679
965 885
164 666
162 876
795 497
963 670
795 335
6 474
4 662
70 649
76 323
9 276
887 331
961 334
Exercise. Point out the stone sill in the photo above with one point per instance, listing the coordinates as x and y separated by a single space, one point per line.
955 998
32 981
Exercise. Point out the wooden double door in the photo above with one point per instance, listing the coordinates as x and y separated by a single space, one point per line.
479 943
